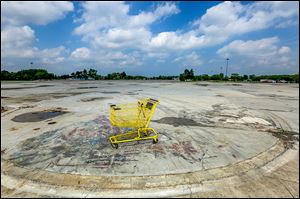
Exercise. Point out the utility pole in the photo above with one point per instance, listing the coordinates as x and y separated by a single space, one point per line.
227 66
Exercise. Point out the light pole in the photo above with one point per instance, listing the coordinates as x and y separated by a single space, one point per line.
227 66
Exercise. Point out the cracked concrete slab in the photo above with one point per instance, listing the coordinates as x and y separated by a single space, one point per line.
208 145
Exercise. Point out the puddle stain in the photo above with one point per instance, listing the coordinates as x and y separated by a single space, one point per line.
236 84
202 84
87 87
37 116
26 87
95 98
110 92
177 121
131 93
41 97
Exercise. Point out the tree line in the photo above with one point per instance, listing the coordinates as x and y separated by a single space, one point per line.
188 75
91 74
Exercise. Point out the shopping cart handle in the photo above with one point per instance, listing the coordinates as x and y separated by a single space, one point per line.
154 100
114 107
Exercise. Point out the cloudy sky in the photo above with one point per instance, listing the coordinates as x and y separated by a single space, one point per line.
151 38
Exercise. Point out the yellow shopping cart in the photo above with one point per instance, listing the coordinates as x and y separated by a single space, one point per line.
136 116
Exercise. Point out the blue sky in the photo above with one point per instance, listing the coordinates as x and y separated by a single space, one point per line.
151 38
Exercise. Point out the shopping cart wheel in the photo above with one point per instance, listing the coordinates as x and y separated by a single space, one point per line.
155 141
114 145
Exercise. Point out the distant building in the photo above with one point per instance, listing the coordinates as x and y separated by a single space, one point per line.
282 81
267 81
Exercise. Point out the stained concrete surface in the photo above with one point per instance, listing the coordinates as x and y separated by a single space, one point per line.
204 129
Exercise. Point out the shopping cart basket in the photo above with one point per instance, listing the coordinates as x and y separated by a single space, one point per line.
135 116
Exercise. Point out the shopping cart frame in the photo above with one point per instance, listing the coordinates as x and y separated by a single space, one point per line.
140 131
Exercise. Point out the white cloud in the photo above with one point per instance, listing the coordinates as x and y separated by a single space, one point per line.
284 50
104 58
177 41
52 55
146 18
287 23
33 12
108 24
233 18
16 42
122 38
225 20
263 52
192 59
116 59
18 39
81 53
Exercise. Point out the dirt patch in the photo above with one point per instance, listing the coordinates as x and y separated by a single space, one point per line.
131 93
274 96
16 88
43 86
38 116
236 84
219 95
41 97
25 87
110 92
3 97
87 87
3 109
202 84
3 150
175 121
94 99
288 137
52 122
36 129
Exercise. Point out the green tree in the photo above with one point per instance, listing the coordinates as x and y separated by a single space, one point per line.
236 77
92 73
85 74
296 78
187 75
123 75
